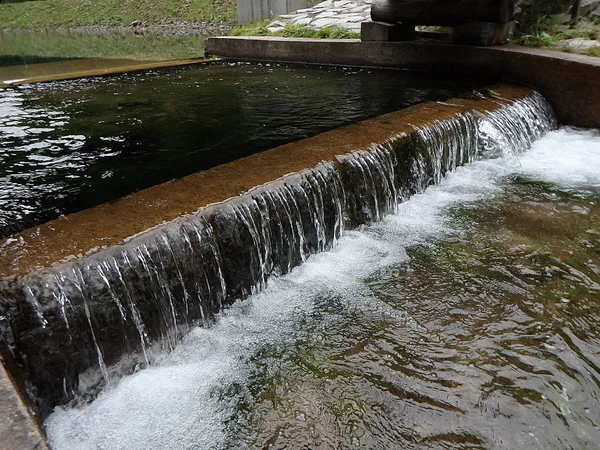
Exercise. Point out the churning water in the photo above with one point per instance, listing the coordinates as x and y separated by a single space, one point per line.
469 318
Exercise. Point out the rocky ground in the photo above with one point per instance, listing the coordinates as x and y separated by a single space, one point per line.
341 13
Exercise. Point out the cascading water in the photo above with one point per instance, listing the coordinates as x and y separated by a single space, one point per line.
380 178
112 312
151 290
503 136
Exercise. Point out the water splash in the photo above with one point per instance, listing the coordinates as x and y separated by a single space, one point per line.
502 135
324 356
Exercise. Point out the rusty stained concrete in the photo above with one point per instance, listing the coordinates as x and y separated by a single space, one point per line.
570 82
89 231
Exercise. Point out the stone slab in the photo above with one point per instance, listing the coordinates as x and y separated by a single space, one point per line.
588 7
346 14
578 44
568 81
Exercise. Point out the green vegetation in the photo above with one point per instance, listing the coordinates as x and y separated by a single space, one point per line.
298 31
30 48
50 14
592 52
548 25
549 31
252 29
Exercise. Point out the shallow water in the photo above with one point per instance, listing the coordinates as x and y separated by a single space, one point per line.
66 146
468 319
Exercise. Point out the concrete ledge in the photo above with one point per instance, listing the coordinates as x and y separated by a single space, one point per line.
568 81
69 70
17 428
90 231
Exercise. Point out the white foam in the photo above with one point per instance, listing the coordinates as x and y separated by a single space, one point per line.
178 403
568 157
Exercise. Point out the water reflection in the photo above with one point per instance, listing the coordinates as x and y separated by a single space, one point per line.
34 162
56 55
66 146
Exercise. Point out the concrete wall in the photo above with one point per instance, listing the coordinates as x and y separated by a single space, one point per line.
568 81
255 10
18 429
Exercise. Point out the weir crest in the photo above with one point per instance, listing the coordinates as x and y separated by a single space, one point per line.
67 329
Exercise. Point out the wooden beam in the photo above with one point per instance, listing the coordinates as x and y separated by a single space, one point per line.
442 12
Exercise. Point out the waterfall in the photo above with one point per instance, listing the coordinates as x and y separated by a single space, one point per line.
378 179
502 135
68 328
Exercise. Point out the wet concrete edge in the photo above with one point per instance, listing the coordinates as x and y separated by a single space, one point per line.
90 231
132 67
18 430
568 81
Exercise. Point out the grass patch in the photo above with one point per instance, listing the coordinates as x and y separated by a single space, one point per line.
593 52
29 48
50 14
253 29
297 31
551 36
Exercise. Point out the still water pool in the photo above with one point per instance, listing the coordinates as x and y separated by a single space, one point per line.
468 319
66 146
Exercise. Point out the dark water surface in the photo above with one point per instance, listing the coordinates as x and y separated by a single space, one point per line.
469 319
67 146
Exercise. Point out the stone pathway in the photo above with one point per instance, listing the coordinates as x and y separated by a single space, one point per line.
331 13
578 45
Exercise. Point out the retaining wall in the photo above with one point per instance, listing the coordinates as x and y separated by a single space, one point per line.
570 82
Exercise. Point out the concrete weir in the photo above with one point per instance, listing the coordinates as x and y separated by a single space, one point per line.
101 288
568 81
